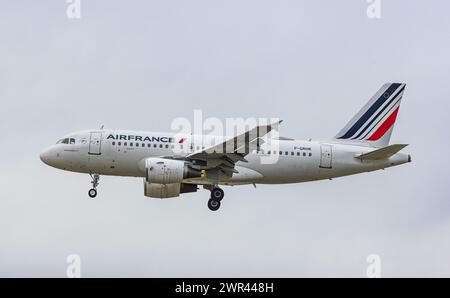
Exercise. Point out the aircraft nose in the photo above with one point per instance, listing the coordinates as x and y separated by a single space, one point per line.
45 157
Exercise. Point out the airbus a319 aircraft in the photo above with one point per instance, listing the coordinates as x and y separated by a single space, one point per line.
172 164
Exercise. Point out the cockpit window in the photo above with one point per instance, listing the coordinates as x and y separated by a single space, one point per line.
66 141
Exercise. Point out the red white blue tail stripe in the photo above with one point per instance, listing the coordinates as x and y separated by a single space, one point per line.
376 119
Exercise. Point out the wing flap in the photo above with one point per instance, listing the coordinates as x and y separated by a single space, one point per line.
220 159
241 144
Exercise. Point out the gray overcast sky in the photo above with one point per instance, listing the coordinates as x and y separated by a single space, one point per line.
140 64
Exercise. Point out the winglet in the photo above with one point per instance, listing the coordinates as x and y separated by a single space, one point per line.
273 125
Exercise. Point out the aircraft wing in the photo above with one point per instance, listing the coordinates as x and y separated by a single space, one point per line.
222 157
382 153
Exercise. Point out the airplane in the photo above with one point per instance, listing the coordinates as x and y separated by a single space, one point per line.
172 164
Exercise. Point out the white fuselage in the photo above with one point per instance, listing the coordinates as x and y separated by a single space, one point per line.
123 153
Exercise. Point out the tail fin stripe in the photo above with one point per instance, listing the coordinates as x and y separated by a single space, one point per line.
385 126
388 93
382 110
381 119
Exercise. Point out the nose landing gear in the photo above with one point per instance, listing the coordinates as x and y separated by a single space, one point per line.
95 182
92 193
217 195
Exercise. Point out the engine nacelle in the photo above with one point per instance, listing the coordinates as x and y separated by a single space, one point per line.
168 171
162 191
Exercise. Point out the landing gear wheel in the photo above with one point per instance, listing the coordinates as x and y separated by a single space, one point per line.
213 205
217 194
92 193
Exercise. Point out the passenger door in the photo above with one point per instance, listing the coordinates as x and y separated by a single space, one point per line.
95 143
326 156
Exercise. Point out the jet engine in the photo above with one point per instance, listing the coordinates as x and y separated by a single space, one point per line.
164 178
163 191
168 171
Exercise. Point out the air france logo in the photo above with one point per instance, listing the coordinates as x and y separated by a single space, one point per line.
140 138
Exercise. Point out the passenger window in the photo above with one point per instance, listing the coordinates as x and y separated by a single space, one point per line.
310 154
304 153
281 152
160 145
292 153
298 153
149 145
167 146
131 144
120 143
125 143
114 143
143 145
268 152
154 145
287 153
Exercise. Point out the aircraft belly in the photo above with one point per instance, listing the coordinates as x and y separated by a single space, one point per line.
283 171
245 175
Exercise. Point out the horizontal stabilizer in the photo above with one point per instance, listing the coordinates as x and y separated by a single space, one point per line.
382 153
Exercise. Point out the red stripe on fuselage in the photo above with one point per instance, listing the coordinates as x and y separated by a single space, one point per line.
385 126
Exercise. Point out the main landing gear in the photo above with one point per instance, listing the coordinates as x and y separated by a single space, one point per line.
217 195
95 181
